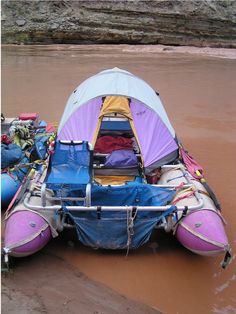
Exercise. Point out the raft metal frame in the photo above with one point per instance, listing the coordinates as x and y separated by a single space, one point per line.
88 206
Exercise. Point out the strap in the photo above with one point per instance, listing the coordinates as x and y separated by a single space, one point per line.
183 197
99 210
170 210
171 179
227 260
134 211
184 213
180 186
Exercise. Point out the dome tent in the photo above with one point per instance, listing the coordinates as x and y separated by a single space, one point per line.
154 132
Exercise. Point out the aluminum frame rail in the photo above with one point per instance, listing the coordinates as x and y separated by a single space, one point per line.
88 206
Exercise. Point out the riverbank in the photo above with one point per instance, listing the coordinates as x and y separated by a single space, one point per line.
227 53
45 283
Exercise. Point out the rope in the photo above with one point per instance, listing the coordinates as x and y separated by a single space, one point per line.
131 215
183 197
179 190
180 186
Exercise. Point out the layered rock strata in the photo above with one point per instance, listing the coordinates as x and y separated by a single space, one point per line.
170 22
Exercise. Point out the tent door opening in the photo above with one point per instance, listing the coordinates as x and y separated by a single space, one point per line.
117 157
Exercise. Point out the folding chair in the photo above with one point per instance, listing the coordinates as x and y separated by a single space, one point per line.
70 169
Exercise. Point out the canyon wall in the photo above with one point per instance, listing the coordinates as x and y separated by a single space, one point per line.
178 22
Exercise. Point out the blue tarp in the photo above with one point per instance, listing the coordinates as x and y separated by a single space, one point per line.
109 229
131 194
10 155
111 233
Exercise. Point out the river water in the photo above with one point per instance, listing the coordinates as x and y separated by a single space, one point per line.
198 91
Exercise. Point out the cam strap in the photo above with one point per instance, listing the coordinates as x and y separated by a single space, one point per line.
185 211
134 210
99 210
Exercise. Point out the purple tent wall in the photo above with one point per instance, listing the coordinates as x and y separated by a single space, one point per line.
155 139
82 123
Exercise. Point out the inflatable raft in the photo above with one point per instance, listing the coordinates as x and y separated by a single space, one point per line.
116 171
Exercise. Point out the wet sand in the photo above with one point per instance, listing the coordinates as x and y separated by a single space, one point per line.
198 91
44 283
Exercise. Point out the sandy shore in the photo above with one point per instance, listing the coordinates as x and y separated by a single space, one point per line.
44 283
227 53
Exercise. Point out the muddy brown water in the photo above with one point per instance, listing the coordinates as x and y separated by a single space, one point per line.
198 92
